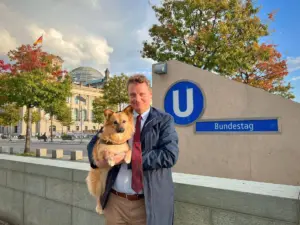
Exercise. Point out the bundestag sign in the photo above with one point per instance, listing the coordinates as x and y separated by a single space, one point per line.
185 101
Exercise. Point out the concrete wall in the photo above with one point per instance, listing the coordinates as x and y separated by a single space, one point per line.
270 158
35 191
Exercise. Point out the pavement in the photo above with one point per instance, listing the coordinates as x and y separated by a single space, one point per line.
67 145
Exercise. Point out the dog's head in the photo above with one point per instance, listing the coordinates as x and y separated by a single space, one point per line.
118 126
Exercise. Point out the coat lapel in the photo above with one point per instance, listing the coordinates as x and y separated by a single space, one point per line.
150 122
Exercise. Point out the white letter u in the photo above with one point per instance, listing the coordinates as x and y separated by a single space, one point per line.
189 103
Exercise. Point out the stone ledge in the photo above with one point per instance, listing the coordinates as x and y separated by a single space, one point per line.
44 162
260 188
265 200
272 201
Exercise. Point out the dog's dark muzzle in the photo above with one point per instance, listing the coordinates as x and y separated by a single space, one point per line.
120 130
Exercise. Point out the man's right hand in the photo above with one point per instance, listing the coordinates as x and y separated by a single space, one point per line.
118 159
102 164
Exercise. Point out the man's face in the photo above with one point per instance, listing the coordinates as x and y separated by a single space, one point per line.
140 97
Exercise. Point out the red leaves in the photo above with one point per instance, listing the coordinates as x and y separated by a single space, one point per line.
27 58
271 15
4 67
268 72
274 67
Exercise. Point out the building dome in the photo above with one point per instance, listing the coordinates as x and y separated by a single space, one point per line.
84 74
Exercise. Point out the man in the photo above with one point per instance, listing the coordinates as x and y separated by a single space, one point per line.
142 192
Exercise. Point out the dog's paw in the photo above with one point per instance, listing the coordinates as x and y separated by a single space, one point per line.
127 160
99 210
110 162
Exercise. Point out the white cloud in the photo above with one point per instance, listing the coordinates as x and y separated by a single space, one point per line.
7 42
293 63
74 51
295 78
142 34
97 33
75 47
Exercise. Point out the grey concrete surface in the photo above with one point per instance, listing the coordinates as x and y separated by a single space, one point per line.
46 191
263 157
67 145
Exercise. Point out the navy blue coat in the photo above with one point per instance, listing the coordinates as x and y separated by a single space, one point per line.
160 151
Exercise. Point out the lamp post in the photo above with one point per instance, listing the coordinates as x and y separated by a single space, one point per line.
81 99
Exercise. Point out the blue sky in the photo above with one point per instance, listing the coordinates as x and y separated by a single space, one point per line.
109 34
286 35
284 32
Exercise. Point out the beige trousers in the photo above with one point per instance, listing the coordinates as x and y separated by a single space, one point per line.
120 210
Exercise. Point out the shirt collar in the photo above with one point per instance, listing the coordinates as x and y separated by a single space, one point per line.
144 115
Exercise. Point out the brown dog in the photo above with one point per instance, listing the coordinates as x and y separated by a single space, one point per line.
117 130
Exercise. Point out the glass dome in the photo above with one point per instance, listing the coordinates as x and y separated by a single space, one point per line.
84 74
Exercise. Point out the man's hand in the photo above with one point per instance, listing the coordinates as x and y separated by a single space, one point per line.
102 164
118 159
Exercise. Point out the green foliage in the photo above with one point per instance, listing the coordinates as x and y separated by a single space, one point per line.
99 105
35 117
33 81
28 154
216 35
209 34
10 115
58 108
114 95
115 90
64 115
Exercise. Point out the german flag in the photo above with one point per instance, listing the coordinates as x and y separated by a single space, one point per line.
38 41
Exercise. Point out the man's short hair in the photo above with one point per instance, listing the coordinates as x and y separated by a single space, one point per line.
138 79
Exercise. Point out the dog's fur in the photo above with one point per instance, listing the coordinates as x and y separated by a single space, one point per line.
111 142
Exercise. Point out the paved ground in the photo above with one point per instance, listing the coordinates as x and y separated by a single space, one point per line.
67 146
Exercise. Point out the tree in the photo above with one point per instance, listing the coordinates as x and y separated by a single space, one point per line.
10 116
99 105
35 117
33 80
115 91
268 73
55 108
65 116
215 35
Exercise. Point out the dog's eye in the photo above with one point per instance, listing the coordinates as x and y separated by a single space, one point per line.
124 121
115 122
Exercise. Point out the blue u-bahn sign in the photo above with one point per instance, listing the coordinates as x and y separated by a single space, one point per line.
185 101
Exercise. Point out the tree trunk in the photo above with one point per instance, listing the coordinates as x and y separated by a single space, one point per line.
10 132
28 130
51 128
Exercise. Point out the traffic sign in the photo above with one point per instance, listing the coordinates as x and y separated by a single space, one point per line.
184 100
255 125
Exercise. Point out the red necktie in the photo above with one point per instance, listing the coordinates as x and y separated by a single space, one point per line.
136 158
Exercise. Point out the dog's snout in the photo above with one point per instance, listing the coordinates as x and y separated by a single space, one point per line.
120 130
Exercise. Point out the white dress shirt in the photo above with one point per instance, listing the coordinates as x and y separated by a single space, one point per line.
123 180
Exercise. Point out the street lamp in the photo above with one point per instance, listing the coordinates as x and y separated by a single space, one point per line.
81 99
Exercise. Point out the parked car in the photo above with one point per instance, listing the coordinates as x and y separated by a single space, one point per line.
68 137
3 136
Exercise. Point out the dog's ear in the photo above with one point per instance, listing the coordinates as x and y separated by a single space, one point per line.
108 113
128 110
